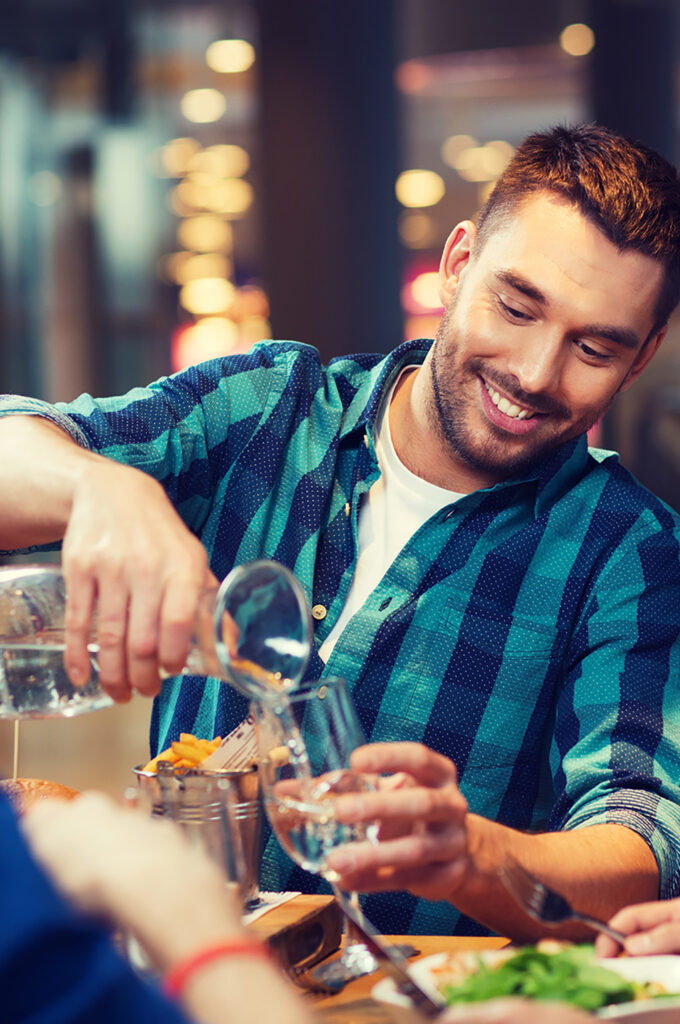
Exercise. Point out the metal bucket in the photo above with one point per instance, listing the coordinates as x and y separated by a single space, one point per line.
220 809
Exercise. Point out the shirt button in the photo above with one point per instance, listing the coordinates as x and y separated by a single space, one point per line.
347 509
319 612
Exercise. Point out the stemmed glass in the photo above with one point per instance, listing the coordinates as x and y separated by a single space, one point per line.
301 779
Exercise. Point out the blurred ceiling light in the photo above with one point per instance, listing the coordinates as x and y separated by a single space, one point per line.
501 153
231 197
205 233
211 264
483 163
425 290
253 329
207 296
417 230
203 105
210 338
577 39
454 146
221 161
419 188
230 56
170 266
484 191
187 196
44 188
176 155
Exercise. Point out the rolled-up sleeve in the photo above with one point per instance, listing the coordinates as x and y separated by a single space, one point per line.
616 749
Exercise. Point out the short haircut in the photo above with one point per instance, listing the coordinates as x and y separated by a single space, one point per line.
629 191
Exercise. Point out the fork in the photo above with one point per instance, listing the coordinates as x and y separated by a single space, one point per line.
544 904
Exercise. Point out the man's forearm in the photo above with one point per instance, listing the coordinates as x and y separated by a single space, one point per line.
599 869
41 466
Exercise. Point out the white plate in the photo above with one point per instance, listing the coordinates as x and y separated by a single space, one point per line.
662 969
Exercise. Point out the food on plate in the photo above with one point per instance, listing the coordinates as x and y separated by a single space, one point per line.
549 971
23 793
186 752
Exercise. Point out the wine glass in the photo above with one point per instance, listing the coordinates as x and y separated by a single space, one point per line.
301 779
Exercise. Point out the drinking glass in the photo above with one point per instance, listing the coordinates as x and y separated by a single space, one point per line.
254 632
305 742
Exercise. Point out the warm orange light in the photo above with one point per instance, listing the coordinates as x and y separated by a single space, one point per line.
205 233
221 161
211 264
419 188
230 56
417 229
207 296
176 154
577 39
425 290
203 105
231 197
209 338
454 146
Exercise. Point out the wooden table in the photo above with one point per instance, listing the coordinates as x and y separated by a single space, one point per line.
354 1004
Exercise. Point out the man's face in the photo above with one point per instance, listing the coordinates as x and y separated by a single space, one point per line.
543 326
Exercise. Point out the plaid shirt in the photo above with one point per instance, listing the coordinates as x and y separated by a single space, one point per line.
529 631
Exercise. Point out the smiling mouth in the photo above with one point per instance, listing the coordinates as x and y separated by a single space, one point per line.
515 412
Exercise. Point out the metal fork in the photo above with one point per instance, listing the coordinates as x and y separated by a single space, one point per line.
544 904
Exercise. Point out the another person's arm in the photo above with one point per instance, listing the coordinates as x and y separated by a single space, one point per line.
143 876
650 928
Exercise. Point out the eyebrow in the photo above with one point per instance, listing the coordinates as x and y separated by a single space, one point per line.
623 336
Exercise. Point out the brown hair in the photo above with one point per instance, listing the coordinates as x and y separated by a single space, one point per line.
627 189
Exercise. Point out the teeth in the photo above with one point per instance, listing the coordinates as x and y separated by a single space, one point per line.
514 411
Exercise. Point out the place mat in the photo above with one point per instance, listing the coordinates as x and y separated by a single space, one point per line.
268 901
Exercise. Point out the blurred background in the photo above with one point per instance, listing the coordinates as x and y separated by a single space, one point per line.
179 179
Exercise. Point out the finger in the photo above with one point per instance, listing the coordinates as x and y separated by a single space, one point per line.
80 597
665 938
177 618
606 946
426 766
415 804
403 852
142 641
641 916
112 615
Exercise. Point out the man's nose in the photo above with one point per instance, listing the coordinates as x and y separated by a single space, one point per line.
536 360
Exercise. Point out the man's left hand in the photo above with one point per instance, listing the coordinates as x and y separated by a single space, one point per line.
422 817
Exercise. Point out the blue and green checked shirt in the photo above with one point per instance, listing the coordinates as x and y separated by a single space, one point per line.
529 631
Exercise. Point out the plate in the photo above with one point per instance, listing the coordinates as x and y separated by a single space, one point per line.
662 969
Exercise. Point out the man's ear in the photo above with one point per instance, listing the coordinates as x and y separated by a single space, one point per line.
455 258
643 357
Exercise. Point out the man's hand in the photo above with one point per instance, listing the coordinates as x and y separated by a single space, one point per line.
650 927
128 557
422 817
515 1011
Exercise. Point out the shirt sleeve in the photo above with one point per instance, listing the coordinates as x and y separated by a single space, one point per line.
184 430
616 746
56 966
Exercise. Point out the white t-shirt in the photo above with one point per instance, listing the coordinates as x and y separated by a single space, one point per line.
395 507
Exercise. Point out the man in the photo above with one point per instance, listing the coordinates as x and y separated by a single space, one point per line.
487 586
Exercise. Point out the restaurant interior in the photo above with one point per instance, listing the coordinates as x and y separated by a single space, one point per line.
182 178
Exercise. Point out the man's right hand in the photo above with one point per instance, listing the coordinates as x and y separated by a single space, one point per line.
649 928
128 557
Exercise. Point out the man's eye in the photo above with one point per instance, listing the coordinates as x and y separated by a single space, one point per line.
514 314
593 353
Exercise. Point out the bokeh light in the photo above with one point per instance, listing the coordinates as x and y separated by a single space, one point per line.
417 229
416 188
220 161
230 56
207 296
203 105
205 233
454 146
176 156
425 290
577 39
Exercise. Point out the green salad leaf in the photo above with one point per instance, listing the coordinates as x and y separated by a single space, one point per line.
571 975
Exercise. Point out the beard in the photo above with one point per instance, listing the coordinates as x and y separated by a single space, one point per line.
493 451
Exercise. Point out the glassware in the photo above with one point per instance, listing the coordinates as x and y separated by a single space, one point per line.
301 779
254 632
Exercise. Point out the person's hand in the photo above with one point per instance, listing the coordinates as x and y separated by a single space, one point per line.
649 927
515 1011
422 816
127 554
134 872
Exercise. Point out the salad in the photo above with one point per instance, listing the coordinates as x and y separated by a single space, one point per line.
549 971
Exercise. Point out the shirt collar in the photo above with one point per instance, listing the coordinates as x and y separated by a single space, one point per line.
553 476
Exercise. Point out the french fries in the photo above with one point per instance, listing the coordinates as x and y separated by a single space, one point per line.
186 752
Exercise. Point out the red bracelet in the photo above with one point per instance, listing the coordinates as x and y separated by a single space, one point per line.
178 975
